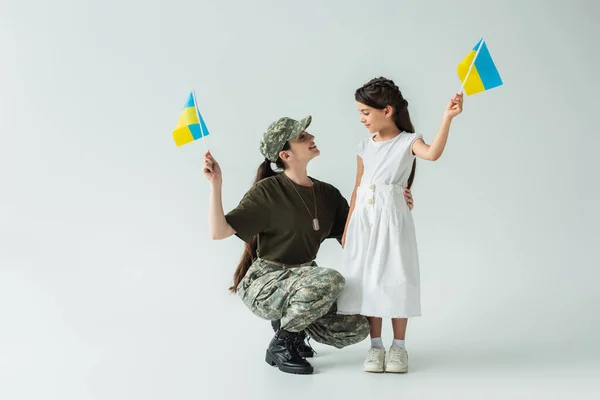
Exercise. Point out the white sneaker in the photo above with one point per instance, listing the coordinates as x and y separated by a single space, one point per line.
397 361
375 360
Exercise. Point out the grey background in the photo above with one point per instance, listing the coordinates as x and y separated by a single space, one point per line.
109 285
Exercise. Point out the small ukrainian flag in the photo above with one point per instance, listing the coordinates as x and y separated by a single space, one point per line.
191 125
477 70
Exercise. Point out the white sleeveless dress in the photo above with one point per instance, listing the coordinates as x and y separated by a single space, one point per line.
380 260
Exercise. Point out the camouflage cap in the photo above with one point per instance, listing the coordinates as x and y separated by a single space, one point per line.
280 132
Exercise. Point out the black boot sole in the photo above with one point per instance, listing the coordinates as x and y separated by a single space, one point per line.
290 370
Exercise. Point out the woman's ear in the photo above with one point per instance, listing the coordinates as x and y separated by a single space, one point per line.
284 155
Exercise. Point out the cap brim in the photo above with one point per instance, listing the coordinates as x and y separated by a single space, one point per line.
300 127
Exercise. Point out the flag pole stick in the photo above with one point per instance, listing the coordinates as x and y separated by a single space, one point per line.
462 86
199 120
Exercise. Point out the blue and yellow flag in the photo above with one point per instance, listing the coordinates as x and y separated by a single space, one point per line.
482 75
191 125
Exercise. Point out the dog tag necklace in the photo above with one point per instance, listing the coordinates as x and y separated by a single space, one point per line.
315 220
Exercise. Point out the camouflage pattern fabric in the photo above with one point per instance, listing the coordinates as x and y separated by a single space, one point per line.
280 132
303 298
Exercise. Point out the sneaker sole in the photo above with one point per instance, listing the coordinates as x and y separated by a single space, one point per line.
397 371
374 371
298 371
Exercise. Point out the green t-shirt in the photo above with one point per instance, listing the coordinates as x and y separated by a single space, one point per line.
274 211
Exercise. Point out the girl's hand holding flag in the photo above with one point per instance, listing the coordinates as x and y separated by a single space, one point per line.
455 106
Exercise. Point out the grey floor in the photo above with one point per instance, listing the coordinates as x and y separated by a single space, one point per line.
169 363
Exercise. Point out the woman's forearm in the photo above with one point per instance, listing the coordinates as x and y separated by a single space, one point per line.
351 210
219 228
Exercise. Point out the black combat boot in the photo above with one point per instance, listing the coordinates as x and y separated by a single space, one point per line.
303 349
282 352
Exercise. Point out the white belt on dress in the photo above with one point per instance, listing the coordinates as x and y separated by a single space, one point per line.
372 187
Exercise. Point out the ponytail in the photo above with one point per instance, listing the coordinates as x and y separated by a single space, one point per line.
403 122
411 177
250 249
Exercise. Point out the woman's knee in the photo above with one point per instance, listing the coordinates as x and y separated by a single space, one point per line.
324 286
334 280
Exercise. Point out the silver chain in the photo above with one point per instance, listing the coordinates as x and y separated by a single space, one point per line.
298 193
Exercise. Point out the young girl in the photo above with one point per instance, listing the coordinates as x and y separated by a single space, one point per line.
380 259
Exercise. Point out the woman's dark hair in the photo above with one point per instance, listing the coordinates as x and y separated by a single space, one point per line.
381 92
264 171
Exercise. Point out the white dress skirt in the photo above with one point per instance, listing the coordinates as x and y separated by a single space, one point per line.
380 260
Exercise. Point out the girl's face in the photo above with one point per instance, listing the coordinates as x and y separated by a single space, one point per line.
302 148
373 119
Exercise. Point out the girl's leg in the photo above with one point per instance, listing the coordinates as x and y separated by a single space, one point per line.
375 333
375 327
398 356
376 354
399 327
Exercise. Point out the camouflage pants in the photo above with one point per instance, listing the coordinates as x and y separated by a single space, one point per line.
304 299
